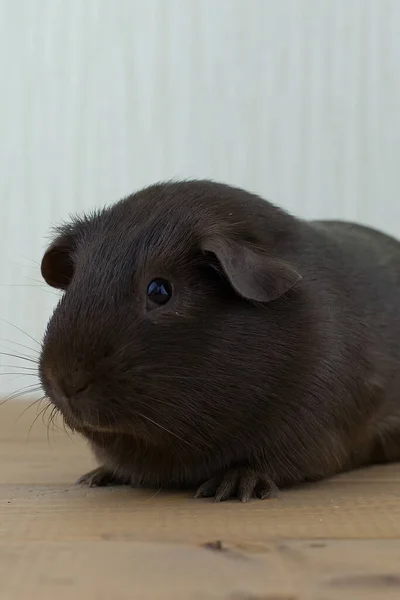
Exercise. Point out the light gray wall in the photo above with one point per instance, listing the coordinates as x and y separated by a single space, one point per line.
297 100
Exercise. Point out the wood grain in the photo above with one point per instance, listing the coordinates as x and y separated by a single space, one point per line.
337 539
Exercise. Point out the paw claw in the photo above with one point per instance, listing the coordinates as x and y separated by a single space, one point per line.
207 489
242 483
99 478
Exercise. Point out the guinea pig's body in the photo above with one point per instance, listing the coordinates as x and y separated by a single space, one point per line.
207 339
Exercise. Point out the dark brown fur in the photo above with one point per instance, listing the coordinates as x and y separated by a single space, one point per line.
274 363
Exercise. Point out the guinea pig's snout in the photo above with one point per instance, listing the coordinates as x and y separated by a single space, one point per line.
70 393
73 387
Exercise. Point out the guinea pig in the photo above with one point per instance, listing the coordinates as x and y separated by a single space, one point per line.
208 340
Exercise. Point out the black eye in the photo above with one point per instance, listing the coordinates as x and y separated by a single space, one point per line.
159 291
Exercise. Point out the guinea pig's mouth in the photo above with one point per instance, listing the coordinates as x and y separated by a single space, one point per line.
85 427
88 417
90 428
84 419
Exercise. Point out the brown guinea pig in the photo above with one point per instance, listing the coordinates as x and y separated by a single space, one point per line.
209 340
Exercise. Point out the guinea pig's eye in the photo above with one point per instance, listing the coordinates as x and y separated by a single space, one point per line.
159 291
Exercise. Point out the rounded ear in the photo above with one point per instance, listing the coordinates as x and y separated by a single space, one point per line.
57 266
254 275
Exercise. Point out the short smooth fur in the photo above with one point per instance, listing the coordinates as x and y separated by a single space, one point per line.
275 361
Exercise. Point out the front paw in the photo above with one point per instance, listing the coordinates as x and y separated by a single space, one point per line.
242 483
100 477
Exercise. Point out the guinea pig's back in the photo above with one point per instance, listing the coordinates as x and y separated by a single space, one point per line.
359 275
368 265
365 243
374 261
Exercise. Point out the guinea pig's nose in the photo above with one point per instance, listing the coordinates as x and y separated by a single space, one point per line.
73 387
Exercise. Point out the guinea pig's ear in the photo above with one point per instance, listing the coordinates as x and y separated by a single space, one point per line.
57 266
254 275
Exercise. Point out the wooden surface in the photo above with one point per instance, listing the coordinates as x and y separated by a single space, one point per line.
337 539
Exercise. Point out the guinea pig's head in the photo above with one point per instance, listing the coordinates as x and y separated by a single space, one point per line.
163 329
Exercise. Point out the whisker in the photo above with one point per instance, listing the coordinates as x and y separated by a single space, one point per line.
21 345
45 411
35 419
178 377
38 400
64 429
15 374
43 285
42 282
20 357
19 373
67 432
154 495
35 262
21 330
21 285
50 422
20 367
165 429
41 400
190 419
29 389
53 416
47 425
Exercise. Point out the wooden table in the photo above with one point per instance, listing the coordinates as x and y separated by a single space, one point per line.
336 539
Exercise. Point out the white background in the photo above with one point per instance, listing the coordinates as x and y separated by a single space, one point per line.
298 100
